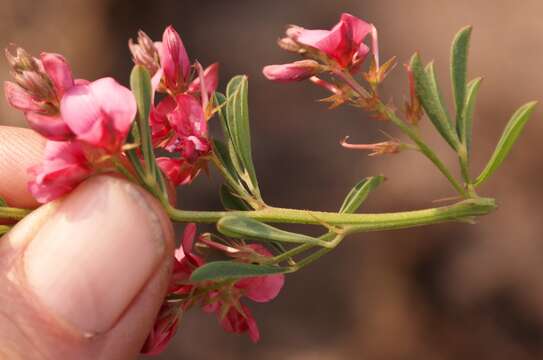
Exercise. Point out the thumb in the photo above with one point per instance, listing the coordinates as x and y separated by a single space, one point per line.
84 277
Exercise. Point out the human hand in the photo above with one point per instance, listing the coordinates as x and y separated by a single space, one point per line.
82 277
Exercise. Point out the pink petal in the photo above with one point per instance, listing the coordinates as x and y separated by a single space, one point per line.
296 71
63 168
50 127
59 72
262 288
174 58
188 117
163 331
211 80
18 98
358 28
117 102
100 113
177 171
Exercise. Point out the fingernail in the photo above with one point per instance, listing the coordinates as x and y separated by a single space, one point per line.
94 255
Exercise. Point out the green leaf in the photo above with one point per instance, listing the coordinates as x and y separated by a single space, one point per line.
469 108
3 202
237 119
509 137
226 270
230 201
237 226
427 90
359 193
140 82
459 73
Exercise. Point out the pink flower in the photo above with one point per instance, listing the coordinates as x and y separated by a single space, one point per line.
190 127
261 288
296 71
163 330
100 113
174 60
64 167
344 43
185 261
240 321
178 171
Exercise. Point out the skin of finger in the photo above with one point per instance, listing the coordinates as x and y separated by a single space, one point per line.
27 331
19 149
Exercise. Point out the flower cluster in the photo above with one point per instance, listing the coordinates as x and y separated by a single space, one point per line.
342 47
85 123
179 120
220 298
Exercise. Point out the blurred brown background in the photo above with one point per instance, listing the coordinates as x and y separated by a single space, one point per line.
452 291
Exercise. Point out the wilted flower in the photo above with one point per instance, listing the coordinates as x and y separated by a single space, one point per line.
381 148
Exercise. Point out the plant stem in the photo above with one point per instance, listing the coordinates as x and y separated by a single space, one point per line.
406 129
425 149
359 222
13 213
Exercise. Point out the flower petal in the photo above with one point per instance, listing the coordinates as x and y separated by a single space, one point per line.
59 72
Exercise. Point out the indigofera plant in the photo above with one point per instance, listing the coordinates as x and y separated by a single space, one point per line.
101 126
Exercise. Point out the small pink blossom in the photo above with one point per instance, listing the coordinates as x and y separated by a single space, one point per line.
64 167
163 330
343 43
174 60
100 113
296 71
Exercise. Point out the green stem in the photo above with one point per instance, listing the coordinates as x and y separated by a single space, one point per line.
4 229
425 149
359 222
13 213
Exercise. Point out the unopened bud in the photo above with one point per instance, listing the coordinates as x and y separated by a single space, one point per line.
288 44
22 61
36 84
145 53
296 71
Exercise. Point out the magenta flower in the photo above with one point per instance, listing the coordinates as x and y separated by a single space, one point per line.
100 113
64 167
296 71
239 321
185 261
178 171
59 72
164 328
174 60
344 43
261 288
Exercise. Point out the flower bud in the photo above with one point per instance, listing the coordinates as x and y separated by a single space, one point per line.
174 60
145 53
22 61
296 71
288 44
